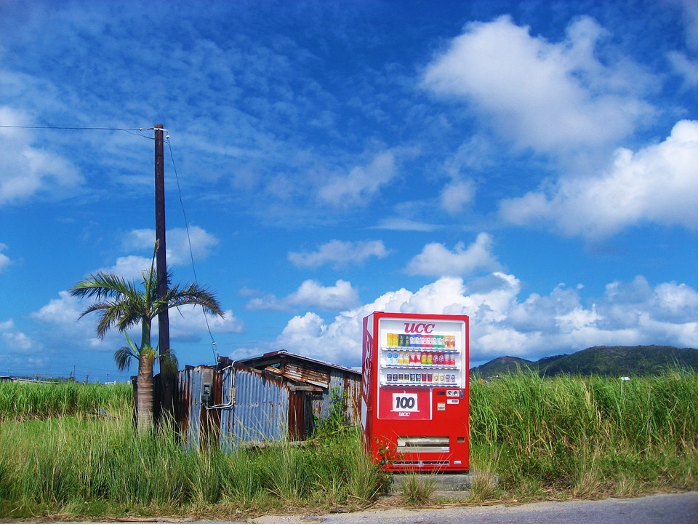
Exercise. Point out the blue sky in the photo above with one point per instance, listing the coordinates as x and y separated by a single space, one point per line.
531 164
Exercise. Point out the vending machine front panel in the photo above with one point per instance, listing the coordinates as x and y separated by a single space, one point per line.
418 405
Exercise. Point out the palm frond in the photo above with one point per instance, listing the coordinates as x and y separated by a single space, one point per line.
196 295
102 285
122 358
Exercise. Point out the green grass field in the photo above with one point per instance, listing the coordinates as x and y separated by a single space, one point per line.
558 438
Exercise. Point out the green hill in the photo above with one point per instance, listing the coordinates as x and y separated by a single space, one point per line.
600 360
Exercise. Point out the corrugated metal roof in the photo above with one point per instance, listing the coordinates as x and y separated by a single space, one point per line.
277 355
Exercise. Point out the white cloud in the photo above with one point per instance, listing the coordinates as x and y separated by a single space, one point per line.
404 224
13 338
685 67
176 243
361 184
339 254
26 170
656 184
456 195
310 294
63 311
548 96
130 267
187 323
4 259
436 260
501 324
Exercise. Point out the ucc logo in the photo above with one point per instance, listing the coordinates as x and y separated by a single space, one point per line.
419 328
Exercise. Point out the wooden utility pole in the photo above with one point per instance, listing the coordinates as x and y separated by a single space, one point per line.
167 376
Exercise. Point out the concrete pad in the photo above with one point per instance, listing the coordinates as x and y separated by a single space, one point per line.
441 482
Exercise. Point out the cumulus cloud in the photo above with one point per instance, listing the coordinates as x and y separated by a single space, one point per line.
27 170
177 243
551 97
502 324
130 267
339 254
187 323
15 339
361 184
656 184
436 260
310 294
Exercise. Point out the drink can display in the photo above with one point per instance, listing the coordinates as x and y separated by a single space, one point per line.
442 378
442 359
413 378
428 358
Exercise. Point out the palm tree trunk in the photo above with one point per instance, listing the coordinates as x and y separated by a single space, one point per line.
144 393
144 380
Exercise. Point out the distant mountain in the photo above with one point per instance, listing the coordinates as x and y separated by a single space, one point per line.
601 360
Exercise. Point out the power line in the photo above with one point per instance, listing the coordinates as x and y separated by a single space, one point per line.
189 241
74 128
130 131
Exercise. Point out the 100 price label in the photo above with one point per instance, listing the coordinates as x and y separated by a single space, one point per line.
403 402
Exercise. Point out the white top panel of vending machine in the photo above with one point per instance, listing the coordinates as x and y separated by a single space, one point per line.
425 326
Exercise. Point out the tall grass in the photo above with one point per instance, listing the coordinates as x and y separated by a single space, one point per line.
561 437
84 466
42 400
586 435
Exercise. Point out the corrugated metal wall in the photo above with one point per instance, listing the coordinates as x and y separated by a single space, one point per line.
251 405
261 407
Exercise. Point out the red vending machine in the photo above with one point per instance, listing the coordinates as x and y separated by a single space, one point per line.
415 391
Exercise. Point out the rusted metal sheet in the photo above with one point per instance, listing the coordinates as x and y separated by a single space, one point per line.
199 389
306 373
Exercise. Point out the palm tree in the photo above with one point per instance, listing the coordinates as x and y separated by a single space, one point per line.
123 305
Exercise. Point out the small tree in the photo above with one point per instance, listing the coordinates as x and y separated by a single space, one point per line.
122 304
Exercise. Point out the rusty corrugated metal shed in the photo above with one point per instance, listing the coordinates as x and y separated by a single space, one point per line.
274 397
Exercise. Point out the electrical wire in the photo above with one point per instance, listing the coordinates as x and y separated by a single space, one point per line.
189 241
74 128
131 131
